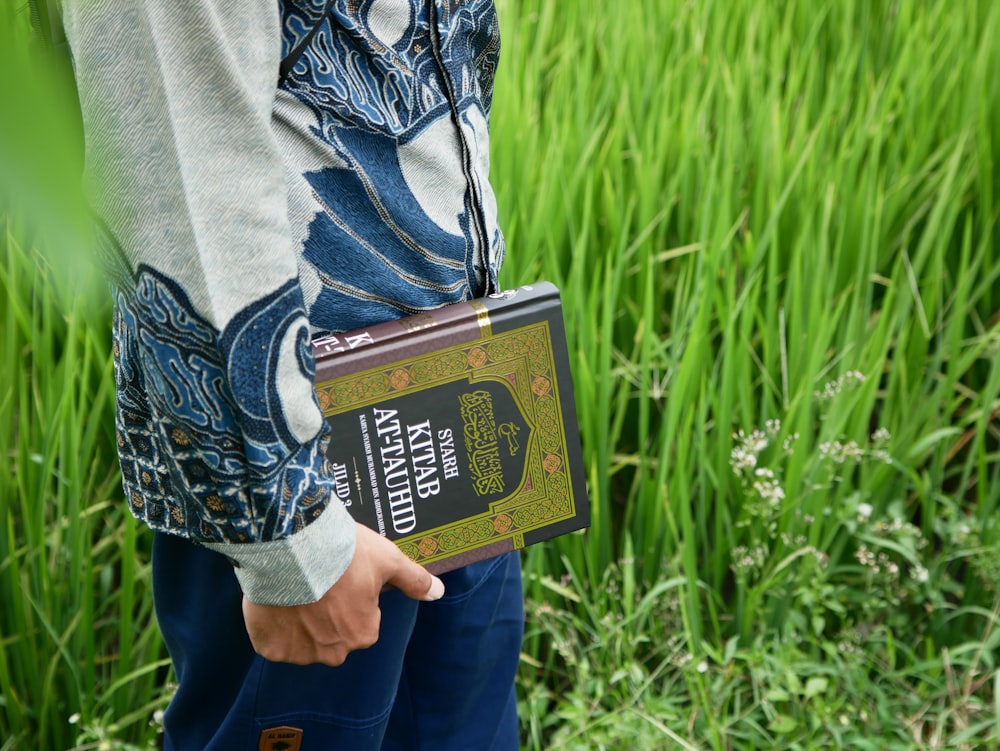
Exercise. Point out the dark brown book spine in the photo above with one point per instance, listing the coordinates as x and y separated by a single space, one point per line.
343 354
346 353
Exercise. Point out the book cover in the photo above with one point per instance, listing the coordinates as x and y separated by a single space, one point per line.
455 431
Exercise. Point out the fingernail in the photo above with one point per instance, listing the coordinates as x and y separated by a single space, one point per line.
436 590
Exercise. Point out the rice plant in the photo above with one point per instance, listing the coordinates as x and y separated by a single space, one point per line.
775 229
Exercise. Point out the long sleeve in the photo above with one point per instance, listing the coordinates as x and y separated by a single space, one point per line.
220 437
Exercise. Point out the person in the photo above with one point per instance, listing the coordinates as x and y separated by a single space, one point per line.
243 210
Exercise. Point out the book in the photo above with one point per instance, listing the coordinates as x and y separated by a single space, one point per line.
454 431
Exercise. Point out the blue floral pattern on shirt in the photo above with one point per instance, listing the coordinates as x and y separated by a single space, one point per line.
190 418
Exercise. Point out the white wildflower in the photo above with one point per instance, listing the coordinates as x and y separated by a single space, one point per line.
840 452
881 435
787 445
741 460
850 380
865 557
682 659
882 455
745 453
770 491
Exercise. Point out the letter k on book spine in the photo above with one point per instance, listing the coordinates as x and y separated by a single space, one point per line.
454 431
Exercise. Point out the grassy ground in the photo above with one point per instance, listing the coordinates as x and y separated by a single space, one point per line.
776 232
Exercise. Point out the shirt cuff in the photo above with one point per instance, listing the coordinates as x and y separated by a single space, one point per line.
298 569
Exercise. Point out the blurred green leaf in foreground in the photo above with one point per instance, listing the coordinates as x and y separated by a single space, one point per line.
41 144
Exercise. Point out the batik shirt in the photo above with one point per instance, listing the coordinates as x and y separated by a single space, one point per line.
242 217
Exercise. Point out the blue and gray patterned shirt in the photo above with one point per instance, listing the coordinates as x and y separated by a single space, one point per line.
243 217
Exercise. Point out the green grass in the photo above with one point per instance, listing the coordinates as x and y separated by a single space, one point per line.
76 630
764 217
742 204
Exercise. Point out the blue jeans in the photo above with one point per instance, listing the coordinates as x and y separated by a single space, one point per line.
441 675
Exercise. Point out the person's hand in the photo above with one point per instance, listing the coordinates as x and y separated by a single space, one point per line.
347 617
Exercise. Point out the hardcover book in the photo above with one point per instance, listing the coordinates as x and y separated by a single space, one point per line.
454 431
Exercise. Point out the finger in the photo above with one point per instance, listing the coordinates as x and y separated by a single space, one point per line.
415 581
435 591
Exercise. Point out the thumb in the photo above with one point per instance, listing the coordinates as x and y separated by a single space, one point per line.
413 580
